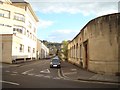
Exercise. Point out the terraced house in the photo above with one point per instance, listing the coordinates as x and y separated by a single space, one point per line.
18 27
97 46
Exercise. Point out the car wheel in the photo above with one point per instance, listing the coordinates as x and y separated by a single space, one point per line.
13 61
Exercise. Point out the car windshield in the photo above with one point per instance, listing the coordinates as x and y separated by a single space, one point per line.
55 60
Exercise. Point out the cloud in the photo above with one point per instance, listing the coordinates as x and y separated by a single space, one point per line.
73 1
60 35
64 31
73 7
45 23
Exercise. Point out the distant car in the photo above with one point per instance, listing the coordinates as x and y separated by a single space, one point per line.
55 62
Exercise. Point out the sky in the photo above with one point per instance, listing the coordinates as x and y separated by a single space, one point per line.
63 19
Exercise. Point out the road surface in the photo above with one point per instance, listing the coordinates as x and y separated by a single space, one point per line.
38 74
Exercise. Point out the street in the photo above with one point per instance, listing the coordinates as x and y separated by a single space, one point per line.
38 74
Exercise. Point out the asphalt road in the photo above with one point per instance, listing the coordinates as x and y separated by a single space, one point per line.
38 74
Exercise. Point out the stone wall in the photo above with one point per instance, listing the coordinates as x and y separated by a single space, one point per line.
97 46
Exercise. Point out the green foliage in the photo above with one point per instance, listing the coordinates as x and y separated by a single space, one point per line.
65 48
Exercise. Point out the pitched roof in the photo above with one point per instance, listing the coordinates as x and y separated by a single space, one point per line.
19 1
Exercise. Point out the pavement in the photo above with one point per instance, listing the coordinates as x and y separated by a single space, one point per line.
74 72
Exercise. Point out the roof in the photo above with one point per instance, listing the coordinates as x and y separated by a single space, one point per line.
56 57
19 1
6 1
90 22
29 6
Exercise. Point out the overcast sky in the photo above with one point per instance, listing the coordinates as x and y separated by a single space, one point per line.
63 19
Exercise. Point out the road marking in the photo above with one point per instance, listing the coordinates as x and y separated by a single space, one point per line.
59 74
27 71
13 74
70 73
45 71
30 74
73 69
7 71
47 76
9 82
63 75
40 75
56 78
66 79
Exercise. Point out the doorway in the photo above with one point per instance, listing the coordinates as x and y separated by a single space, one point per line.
86 54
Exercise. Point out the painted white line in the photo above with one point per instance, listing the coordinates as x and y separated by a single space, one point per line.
66 79
40 75
47 76
31 74
7 71
27 71
70 73
56 78
13 74
64 75
45 71
9 82
59 74
73 69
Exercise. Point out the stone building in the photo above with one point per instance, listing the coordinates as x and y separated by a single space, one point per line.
97 46
44 51
18 27
39 45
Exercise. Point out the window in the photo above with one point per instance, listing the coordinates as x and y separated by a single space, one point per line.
29 49
19 29
2 46
74 51
33 50
80 50
77 50
33 37
34 30
29 25
19 17
27 33
1 2
24 31
1 15
30 35
21 48
4 13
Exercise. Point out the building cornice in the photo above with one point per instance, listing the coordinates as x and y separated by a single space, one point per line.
29 7
91 22
6 1
31 10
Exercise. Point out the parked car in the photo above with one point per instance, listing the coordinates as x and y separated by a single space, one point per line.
55 62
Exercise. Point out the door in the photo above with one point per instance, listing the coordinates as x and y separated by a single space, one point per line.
86 54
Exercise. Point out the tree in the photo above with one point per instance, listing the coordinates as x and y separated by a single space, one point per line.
65 49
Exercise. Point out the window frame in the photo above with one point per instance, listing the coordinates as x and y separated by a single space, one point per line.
3 15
